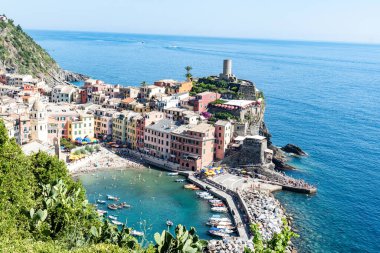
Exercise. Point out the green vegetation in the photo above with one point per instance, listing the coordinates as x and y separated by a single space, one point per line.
277 244
218 101
209 84
18 50
225 116
188 74
67 144
42 209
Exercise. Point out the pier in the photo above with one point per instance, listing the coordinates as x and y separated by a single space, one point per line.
241 226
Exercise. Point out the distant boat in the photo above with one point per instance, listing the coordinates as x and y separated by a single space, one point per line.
112 217
117 222
101 201
169 223
180 180
112 206
173 174
137 233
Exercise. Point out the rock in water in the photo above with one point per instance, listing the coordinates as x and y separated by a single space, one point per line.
293 149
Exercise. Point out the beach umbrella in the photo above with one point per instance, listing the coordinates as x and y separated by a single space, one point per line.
86 139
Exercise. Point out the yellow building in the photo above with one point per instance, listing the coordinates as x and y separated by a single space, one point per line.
81 127
132 132
121 124
180 87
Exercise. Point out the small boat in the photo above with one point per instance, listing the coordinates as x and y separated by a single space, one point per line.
101 212
219 209
220 223
112 217
112 206
173 174
101 201
207 197
191 187
219 219
117 222
110 197
123 205
223 230
202 193
226 227
215 201
180 180
217 205
218 233
137 233
169 223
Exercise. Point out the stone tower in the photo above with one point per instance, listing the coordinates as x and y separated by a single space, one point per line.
227 72
38 122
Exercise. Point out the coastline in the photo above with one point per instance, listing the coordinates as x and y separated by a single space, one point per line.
103 160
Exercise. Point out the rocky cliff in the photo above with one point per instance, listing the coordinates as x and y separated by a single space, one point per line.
19 53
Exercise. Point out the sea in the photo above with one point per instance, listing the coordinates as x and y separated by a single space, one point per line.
323 97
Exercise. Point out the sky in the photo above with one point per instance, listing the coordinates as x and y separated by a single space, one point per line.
315 20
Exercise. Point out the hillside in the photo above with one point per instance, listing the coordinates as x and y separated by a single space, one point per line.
21 54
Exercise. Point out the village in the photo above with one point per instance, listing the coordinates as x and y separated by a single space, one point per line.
166 125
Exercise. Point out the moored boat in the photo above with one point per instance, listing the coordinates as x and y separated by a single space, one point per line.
137 233
123 205
112 206
180 180
101 212
110 197
219 209
117 222
190 186
101 201
169 223
173 174
112 217
218 233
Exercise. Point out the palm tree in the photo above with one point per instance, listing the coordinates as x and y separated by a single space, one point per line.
143 84
188 74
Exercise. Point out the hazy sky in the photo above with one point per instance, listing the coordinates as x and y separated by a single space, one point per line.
322 20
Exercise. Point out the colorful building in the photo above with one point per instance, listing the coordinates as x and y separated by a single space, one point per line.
192 146
223 136
202 100
157 138
81 127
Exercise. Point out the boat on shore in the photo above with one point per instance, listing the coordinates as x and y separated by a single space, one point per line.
112 206
137 233
118 223
110 197
99 201
173 174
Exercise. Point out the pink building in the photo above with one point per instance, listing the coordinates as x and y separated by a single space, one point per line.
202 100
147 119
192 146
223 136
157 138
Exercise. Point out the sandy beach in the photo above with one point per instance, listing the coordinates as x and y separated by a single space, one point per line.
104 159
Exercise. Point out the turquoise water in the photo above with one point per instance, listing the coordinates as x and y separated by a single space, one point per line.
154 197
322 96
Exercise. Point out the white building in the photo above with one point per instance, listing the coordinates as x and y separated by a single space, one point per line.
38 122
64 93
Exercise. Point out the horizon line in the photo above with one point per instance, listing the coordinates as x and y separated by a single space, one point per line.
212 37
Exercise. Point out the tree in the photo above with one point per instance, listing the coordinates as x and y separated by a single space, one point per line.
188 74
143 84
